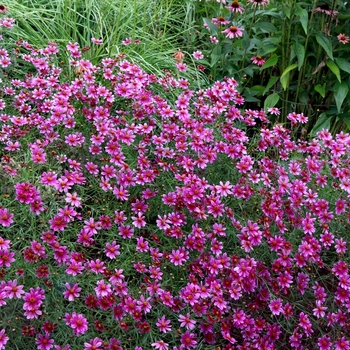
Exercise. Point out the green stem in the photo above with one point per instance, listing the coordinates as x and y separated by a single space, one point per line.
302 70
249 33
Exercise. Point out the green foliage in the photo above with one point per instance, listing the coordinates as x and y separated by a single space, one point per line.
301 55
156 24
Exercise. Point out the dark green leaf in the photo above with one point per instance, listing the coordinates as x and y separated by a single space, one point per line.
343 64
334 68
265 27
270 62
285 75
271 101
325 43
321 89
345 118
303 16
271 83
323 122
300 53
340 92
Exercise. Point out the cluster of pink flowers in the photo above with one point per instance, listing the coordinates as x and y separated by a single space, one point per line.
161 215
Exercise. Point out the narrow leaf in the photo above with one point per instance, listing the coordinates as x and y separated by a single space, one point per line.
325 43
345 118
289 68
303 16
343 64
284 81
270 62
270 83
271 101
321 89
323 122
334 68
300 53
265 27
340 92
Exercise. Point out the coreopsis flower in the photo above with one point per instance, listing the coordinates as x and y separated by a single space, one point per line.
233 32
96 41
258 60
198 55
342 38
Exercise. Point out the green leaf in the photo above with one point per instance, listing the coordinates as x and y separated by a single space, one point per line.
289 68
286 11
340 92
325 43
303 16
215 55
323 122
343 64
268 49
258 89
271 83
321 89
270 62
271 101
334 68
265 27
300 53
284 79
345 118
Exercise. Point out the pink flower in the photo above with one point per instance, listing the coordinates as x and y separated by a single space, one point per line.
3 339
188 340
44 342
72 292
5 217
233 32
342 38
187 322
163 324
235 7
12 291
103 289
258 2
276 306
73 199
182 67
111 250
198 55
160 345
96 41
138 221
324 343
340 246
77 322
94 344
4 244
342 344
258 60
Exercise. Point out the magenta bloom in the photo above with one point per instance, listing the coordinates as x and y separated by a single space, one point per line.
276 306
3 339
72 292
233 32
5 217
12 290
77 322
44 342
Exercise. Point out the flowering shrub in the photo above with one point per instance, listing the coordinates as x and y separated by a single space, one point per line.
138 213
285 53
